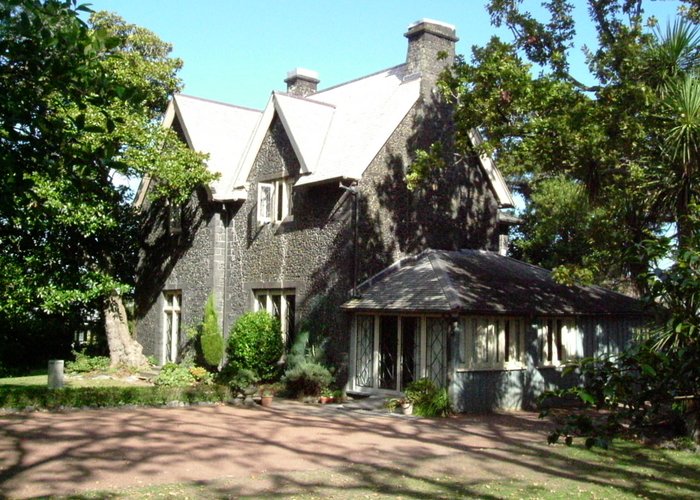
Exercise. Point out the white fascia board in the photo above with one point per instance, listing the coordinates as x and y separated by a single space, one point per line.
177 113
505 198
253 148
145 183
307 123
288 128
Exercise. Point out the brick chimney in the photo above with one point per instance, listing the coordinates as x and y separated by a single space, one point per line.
426 39
302 82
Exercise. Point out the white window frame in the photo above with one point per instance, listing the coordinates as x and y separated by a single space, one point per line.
172 307
275 209
483 339
268 305
571 341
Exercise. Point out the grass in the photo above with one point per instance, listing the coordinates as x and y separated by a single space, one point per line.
626 470
41 380
31 392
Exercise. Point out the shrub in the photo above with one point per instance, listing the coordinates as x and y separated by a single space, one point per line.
255 343
84 363
211 340
242 380
302 350
428 399
307 379
202 375
174 375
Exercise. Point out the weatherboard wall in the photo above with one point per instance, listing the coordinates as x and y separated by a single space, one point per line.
478 391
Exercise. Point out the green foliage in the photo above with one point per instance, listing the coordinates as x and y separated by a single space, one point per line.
243 381
174 375
211 339
305 375
81 104
302 351
255 343
81 397
84 363
307 379
428 399
601 167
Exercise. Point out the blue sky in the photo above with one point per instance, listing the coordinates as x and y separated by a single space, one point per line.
239 51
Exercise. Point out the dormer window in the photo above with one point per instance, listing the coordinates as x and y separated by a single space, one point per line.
274 200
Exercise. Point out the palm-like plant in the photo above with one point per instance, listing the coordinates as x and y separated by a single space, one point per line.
675 62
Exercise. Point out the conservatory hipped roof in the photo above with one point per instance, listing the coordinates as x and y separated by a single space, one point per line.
482 282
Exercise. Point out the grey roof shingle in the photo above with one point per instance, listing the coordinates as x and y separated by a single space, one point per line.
482 282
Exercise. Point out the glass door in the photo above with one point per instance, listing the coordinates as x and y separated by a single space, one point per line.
410 350
388 351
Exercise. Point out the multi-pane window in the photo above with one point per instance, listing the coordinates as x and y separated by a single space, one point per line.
171 325
491 342
274 200
560 341
282 305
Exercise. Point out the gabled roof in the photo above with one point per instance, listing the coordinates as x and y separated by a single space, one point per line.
337 132
221 130
482 282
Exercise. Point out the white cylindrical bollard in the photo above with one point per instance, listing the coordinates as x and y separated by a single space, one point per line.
55 373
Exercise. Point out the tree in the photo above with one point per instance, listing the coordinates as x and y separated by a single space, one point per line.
80 105
603 168
211 339
609 141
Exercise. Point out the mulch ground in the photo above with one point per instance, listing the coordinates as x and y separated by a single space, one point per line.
77 451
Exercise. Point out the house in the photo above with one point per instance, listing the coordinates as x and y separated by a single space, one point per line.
312 221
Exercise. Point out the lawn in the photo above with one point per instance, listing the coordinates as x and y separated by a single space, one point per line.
626 470
41 380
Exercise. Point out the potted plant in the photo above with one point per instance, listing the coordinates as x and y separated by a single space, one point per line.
405 405
266 395
326 397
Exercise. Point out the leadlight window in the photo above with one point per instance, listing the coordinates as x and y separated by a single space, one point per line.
172 303
174 218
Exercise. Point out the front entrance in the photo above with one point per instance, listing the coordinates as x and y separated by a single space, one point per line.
388 351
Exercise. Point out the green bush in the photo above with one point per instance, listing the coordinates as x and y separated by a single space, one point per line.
79 397
174 375
84 363
243 380
211 340
307 379
255 343
428 399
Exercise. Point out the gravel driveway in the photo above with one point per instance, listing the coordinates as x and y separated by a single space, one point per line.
71 452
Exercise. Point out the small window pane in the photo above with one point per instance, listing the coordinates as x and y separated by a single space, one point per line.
261 302
280 201
277 306
265 198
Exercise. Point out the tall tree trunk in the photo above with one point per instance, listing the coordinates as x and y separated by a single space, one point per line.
123 349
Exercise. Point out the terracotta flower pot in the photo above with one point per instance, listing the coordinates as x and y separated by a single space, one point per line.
266 400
